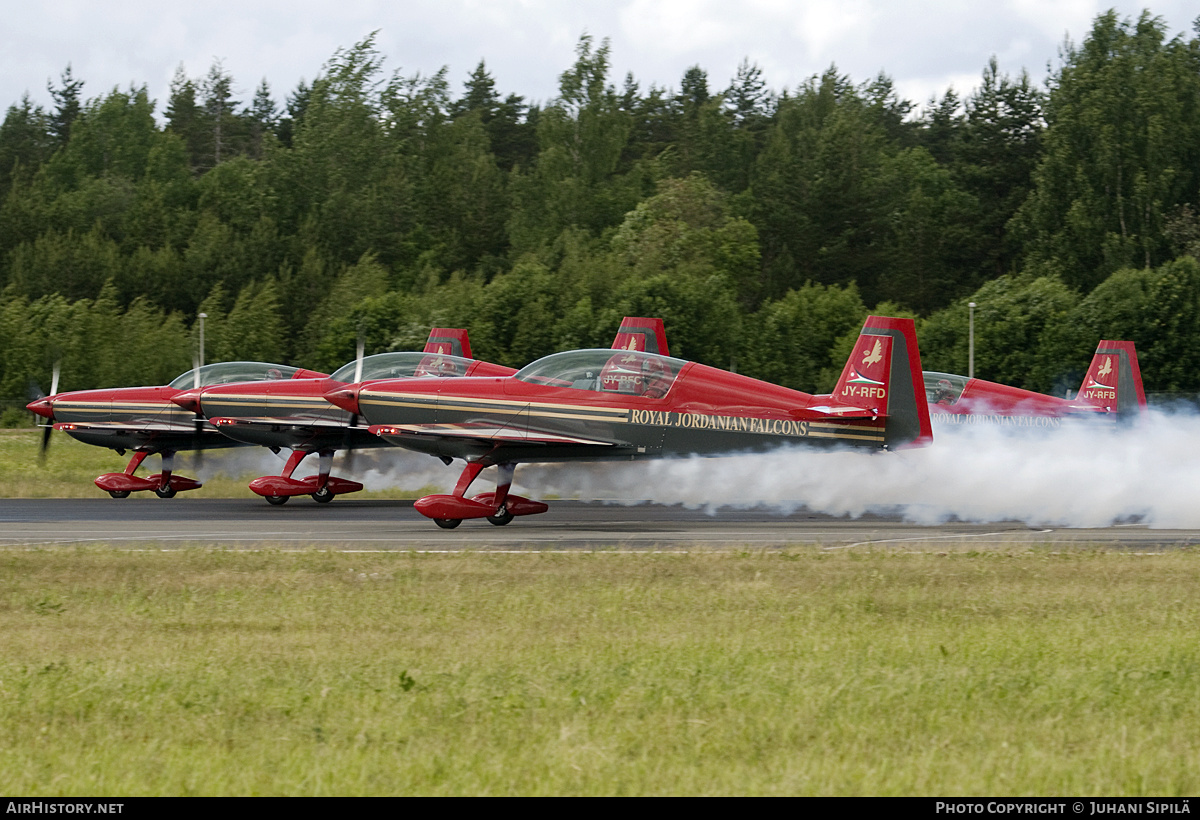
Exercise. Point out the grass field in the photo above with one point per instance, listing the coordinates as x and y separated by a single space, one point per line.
793 672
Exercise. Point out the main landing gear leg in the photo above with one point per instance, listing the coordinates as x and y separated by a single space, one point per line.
503 483
164 489
469 473
136 461
293 462
498 507
324 495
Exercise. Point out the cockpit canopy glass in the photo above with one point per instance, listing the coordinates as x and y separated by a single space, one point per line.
404 365
606 371
944 388
230 372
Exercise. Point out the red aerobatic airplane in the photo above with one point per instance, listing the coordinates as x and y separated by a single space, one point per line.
144 420
1112 385
600 405
294 415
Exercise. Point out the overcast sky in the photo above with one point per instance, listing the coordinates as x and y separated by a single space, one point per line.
925 45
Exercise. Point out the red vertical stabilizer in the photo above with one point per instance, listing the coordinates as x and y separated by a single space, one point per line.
448 342
639 333
1114 380
883 373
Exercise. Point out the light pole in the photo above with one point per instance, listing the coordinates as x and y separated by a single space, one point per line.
970 339
202 317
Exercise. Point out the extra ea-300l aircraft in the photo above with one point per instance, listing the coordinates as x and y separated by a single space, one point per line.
628 405
294 415
144 420
1111 386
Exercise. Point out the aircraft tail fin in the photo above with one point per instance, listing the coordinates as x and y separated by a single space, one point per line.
449 342
884 374
639 333
1114 380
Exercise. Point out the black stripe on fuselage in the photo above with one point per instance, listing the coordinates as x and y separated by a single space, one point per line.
695 432
497 406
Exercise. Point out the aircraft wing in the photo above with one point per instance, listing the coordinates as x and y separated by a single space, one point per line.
159 435
484 433
150 428
281 421
295 433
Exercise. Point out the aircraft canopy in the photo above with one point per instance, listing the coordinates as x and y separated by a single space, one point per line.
229 372
404 365
944 388
606 371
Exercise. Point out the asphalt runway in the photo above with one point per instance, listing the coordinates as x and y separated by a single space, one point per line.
348 524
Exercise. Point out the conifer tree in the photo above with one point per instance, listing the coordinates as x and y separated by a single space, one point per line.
67 106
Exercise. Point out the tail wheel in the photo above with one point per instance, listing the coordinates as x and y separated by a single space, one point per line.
165 492
447 523
322 496
119 493
276 500
501 517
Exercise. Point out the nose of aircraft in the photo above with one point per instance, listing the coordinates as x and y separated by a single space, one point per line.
43 407
344 397
189 399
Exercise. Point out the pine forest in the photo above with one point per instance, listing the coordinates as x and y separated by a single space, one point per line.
762 225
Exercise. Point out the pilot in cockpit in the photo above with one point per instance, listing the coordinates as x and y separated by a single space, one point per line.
656 379
635 375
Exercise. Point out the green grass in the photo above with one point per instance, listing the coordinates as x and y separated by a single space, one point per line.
796 672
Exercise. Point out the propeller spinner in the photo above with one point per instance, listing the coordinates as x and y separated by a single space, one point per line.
45 407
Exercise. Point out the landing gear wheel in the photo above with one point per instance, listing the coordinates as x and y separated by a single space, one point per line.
119 493
322 496
276 500
447 523
165 492
501 517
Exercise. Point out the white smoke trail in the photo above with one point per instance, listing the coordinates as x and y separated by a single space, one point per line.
1079 475
377 468
397 468
237 462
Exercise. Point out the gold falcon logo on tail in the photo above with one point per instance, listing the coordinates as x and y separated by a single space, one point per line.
875 355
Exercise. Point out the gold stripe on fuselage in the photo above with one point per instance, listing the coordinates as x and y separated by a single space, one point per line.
501 407
303 402
122 407
853 432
